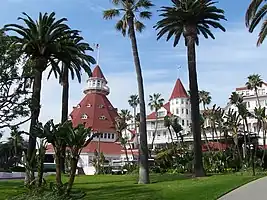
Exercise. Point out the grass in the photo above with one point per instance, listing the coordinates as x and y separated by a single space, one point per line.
163 187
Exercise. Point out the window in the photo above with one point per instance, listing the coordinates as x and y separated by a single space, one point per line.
187 101
112 136
101 136
161 114
78 106
177 111
187 111
187 122
102 117
182 122
108 135
84 116
158 134
247 93
164 133
182 101
101 106
89 105
177 101
93 83
182 111
98 83
248 104
265 102
105 135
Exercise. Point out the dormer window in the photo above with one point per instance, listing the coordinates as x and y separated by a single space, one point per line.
78 106
98 83
102 117
84 116
101 106
89 105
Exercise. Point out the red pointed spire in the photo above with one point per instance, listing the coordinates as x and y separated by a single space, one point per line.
179 91
97 73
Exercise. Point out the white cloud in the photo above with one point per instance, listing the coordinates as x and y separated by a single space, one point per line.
223 65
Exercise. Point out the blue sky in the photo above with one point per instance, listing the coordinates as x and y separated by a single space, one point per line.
223 64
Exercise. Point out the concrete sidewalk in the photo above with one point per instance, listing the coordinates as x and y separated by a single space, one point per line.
256 190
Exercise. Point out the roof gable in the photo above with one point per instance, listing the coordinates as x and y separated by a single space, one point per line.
178 91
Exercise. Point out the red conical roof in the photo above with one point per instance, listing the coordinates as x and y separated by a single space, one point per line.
97 73
179 91
96 112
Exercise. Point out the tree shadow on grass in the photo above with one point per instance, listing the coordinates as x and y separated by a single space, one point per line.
119 192
169 177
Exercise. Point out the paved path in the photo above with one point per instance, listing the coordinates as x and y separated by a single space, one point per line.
256 190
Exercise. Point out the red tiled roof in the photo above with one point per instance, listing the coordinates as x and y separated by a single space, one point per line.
105 147
97 73
245 87
214 146
178 90
153 114
95 105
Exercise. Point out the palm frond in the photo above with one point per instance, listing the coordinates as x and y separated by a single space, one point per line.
111 13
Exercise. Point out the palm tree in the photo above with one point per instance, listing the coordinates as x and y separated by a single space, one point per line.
16 140
235 98
129 23
204 98
134 102
254 15
120 124
254 82
125 114
177 128
80 61
191 18
155 103
43 42
167 124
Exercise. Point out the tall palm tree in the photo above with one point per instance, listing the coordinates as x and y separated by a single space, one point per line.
80 61
155 103
44 44
235 98
254 82
204 98
191 18
254 15
131 10
134 102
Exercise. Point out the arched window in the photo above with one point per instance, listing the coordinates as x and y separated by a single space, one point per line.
84 116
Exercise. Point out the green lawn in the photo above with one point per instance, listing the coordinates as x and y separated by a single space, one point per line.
163 187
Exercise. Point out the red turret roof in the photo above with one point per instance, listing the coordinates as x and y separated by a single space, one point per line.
179 91
153 114
96 112
97 73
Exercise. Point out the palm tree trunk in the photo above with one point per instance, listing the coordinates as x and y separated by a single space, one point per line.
126 153
257 96
206 139
35 111
72 175
64 111
170 134
194 99
154 133
143 149
264 144
245 140
58 170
